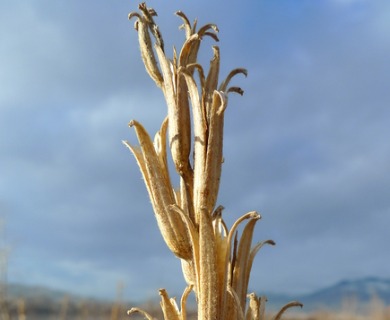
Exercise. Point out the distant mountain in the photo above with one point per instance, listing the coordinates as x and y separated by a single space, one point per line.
360 292
21 291
45 303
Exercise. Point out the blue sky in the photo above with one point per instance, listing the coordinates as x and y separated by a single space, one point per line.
307 145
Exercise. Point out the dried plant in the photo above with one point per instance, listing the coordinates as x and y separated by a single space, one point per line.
216 262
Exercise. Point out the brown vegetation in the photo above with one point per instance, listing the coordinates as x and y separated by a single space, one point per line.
216 260
68 309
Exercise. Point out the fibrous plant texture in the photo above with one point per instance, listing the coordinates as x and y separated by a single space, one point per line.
216 261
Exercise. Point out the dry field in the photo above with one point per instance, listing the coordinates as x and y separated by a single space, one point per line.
66 310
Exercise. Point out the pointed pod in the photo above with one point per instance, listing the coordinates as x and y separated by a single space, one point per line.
206 191
211 82
160 187
172 227
227 281
242 266
200 139
178 116
169 306
146 48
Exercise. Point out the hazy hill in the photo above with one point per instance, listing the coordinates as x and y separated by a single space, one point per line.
47 304
360 292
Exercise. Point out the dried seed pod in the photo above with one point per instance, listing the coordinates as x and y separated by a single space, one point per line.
241 269
175 93
211 83
146 48
216 262
212 168
172 226
169 306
